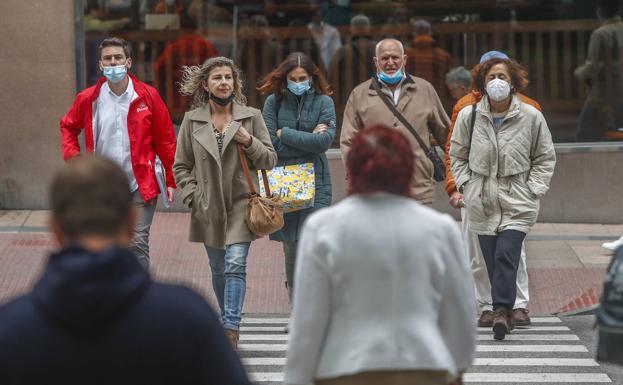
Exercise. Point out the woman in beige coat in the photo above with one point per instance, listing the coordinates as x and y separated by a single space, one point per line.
211 178
502 159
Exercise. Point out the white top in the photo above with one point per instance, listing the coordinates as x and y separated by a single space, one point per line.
382 283
328 40
112 139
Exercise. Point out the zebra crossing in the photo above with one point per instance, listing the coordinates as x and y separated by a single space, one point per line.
545 353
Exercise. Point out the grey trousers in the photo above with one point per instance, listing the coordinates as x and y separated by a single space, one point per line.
289 251
145 216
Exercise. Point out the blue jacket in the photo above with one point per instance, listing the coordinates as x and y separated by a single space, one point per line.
297 118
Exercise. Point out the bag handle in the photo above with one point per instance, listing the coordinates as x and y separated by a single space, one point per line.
403 120
247 174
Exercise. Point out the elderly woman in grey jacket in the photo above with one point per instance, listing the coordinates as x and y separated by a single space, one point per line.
211 178
300 117
502 159
384 294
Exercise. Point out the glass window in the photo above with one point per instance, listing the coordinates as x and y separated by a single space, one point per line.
573 57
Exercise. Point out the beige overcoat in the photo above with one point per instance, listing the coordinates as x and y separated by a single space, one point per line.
213 185
419 104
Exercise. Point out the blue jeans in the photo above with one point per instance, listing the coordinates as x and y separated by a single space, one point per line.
229 280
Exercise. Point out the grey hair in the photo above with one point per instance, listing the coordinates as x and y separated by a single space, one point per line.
360 20
378 46
194 77
459 76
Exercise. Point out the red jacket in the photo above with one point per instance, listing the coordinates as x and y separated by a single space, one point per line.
149 127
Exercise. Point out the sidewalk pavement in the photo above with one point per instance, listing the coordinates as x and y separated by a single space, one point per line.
566 263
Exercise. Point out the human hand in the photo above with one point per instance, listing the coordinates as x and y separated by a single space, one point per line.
170 192
243 137
456 199
320 128
278 133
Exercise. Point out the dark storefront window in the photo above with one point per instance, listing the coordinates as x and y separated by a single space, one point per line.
551 38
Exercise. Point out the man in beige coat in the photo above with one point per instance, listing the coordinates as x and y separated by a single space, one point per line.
414 98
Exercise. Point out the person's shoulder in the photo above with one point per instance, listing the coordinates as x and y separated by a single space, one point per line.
421 82
140 86
16 313
362 87
529 101
325 99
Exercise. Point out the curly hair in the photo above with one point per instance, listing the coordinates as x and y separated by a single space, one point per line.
194 77
380 160
277 81
518 73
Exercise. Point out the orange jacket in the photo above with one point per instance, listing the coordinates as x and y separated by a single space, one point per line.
469 99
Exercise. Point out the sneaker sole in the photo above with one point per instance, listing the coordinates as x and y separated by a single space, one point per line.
499 331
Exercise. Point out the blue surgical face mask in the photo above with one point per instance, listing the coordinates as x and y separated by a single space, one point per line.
115 74
391 79
298 88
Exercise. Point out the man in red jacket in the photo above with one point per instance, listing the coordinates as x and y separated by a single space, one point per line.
126 121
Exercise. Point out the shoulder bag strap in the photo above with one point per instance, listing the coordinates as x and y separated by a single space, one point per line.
472 121
398 115
247 174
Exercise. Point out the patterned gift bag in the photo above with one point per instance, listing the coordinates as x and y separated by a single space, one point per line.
296 184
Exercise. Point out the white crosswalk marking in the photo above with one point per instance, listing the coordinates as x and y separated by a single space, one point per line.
544 353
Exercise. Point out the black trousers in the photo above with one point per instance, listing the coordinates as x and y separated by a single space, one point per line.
501 253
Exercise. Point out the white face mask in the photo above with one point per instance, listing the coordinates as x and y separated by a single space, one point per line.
498 89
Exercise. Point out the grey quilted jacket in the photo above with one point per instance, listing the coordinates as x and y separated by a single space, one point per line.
502 173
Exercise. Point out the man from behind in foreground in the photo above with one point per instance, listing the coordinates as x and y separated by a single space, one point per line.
95 316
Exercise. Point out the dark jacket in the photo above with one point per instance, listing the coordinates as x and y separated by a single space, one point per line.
297 118
99 319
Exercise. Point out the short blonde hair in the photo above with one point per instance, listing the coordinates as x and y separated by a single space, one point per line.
195 76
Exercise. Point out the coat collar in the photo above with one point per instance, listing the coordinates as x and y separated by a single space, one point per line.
484 107
408 84
239 112
203 132
139 87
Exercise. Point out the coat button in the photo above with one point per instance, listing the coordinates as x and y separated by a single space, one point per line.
204 157
205 180
395 124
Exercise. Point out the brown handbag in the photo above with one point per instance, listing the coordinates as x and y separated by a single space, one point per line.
264 214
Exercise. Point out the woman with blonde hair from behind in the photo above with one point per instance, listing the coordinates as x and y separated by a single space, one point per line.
384 294
209 172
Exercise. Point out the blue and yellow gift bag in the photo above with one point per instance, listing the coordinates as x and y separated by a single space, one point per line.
296 184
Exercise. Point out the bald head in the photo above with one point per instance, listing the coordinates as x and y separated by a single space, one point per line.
386 44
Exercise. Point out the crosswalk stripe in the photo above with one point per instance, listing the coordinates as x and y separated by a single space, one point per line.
245 329
535 362
265 361
265 376
536 377
539 320
486 377
262 347
480 337
479 348
284 321
531 348
264 321
532 329
281 361
532 337
264 337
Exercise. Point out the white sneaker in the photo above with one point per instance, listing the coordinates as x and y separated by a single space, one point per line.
612 246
